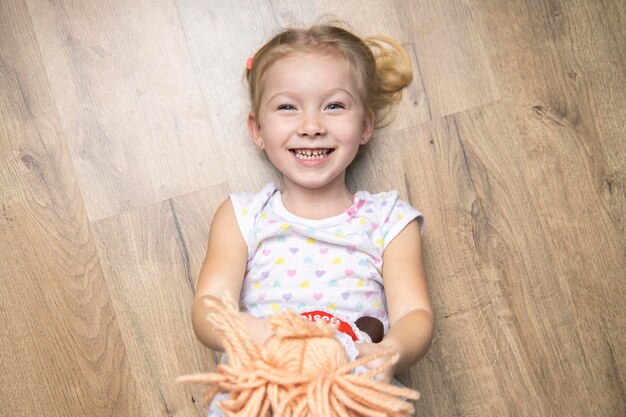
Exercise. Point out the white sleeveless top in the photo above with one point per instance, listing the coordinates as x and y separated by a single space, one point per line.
333 264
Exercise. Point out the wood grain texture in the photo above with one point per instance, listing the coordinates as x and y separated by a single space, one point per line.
451 56
151 258
221 38
559 60
123 128
61 351
137 126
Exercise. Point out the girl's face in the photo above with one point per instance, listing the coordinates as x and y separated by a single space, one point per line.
311 120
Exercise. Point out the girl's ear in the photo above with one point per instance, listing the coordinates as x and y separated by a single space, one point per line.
368 127
255 131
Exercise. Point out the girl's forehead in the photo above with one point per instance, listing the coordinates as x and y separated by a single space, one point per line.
300 61
306 69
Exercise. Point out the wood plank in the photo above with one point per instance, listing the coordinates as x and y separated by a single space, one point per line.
451 59
219 56
151 258
61 351
565 63
458 375
514 152
127 93
568 61
511 274
568 350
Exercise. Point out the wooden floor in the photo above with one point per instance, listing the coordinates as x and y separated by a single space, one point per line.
122 127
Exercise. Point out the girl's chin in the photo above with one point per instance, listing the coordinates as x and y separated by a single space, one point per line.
314 181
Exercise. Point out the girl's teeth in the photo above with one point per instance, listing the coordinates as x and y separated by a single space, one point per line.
309 154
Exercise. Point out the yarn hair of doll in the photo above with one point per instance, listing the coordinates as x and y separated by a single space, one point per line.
301 370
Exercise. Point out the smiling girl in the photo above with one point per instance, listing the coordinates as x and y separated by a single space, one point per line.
315 246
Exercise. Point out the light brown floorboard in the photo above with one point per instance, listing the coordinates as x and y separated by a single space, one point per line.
61 352
151 258
128 99
451 57
510 140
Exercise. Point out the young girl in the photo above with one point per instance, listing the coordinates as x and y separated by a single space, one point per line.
315 246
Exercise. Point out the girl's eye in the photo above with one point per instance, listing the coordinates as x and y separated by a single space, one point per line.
286 107
335 106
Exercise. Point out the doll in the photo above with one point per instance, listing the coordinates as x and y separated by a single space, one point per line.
301 370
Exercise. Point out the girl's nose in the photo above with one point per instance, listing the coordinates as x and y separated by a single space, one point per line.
311 126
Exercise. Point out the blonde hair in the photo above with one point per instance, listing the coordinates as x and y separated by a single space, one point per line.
381 65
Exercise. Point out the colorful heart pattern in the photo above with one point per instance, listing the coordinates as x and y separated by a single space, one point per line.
335 267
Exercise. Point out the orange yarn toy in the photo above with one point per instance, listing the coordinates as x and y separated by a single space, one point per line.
301 370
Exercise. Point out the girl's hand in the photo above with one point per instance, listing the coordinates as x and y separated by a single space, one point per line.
367 349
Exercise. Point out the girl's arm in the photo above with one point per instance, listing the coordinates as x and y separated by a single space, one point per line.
221 276
408 303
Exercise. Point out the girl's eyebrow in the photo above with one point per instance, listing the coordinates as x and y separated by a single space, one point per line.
295 94
335 90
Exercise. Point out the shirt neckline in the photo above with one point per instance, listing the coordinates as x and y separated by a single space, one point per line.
344 216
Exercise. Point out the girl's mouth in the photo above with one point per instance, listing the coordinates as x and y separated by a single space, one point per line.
311 154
